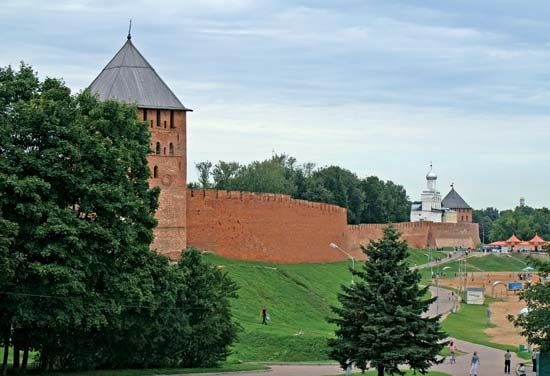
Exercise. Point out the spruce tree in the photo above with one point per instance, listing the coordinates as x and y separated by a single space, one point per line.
379 320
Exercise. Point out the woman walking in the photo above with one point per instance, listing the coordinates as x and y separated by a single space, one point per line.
474 364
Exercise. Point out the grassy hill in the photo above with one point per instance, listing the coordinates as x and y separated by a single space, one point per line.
297 297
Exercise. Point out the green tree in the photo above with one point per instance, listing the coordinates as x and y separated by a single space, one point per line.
344 188
207 304
535 325
73 180
380 319
203 168
523 221
485 218
223 173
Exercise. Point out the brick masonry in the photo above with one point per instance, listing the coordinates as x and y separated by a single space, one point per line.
168 164
277 228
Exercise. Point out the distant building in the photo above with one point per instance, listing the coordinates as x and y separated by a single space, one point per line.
430 208
452 209
515 244
456 203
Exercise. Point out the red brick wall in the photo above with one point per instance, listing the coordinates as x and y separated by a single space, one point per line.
419 234
170 233
277 228
267 227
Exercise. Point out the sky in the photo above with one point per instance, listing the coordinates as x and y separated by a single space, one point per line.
378 87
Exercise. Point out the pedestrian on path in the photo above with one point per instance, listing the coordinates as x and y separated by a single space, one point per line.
534 356
507 361
474 364
452 349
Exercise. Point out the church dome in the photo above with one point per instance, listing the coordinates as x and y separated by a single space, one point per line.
431 175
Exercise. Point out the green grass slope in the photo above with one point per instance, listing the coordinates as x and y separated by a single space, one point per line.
297 297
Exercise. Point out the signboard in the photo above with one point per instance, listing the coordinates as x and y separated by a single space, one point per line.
474 295
513 286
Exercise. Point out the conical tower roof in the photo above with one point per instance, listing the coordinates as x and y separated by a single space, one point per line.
454 201
130 78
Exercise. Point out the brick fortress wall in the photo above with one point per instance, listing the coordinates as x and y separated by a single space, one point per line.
419 234
267 227
277 228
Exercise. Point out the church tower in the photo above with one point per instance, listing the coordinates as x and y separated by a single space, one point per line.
129 78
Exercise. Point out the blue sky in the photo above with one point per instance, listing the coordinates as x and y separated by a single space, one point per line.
378 87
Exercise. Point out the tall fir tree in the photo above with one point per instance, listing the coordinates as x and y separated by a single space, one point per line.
380 320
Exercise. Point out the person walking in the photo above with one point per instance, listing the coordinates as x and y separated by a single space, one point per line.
452 349
474 364
507 361
264 315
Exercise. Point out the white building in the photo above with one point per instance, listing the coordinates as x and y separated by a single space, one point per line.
429 208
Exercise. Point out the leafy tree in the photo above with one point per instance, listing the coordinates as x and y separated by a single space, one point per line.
535 325
223 173
344 189
380 318
206 302
485 218
523 221
203 169
368 200
78 281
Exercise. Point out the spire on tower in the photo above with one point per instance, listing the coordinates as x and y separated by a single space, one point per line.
129 30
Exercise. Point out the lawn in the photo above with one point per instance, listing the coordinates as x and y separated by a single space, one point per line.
469 324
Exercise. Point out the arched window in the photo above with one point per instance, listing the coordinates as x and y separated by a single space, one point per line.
158 118
171 148
155 172
157 150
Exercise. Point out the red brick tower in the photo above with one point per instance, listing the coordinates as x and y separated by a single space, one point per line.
130 78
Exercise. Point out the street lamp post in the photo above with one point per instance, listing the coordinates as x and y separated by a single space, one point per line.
335 246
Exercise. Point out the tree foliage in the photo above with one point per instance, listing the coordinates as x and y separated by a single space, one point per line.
368 200
523 221
379 320
78 281
535 325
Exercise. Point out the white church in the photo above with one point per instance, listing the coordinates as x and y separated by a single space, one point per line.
430 207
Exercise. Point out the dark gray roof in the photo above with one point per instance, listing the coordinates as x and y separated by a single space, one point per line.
454 201
130 78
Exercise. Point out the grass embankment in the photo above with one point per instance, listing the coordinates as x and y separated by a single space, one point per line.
297 297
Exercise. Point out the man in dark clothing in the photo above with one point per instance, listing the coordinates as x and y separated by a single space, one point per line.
263 315
507 361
